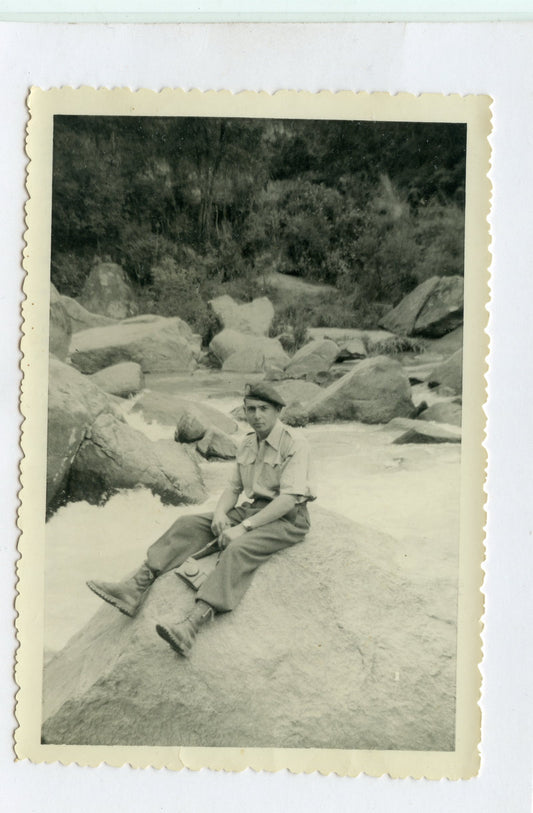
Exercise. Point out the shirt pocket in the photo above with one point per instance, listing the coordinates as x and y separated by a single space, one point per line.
270 476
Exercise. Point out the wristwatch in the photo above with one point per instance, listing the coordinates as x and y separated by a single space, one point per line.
247 524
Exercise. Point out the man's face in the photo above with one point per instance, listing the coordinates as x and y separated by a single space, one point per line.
261 416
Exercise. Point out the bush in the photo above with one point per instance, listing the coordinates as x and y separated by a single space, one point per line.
69 271
177 291
439 233
291 324
393 346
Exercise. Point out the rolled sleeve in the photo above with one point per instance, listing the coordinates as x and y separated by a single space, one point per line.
295 475
235 480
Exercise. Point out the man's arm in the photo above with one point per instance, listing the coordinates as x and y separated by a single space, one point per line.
274 510
227 501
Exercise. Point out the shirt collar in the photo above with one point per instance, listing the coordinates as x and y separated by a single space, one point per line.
274 438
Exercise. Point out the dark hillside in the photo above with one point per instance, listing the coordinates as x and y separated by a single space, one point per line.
191 207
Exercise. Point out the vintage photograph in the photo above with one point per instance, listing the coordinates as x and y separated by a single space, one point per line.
255 463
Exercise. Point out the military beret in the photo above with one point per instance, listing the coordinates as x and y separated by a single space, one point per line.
264 391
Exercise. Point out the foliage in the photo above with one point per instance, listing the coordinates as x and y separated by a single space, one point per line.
394 345
191 207
69 271
178 291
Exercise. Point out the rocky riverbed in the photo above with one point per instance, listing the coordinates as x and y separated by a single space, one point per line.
347 641
410 492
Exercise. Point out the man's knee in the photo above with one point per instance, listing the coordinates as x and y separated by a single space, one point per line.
190 523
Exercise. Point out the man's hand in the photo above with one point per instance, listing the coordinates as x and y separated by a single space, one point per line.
229 535
220 523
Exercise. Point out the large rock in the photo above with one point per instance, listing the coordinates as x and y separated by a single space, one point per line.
216 444
448 374
253 317
239 352
447 344
433 309
297 390
92 452
122 379
335 645
373 392
81 318
107 290
190 428
426 432
443 412
169 410
443 310
158 346
345 334
402 318
255 360
351 349
315 357
60 327
74 403
113 456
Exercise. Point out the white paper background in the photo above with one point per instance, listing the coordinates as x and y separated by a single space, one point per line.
466 58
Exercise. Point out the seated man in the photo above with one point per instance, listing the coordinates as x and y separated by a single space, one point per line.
273 470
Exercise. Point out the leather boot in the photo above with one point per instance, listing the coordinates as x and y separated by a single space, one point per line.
181 636
127 595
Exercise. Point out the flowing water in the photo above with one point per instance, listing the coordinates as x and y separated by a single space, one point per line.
410 492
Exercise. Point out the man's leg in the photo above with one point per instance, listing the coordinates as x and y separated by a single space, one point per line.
226 585
186 536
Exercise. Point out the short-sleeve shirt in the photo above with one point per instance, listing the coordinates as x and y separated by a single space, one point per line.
280 464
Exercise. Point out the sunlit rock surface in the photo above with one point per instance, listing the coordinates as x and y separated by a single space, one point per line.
335 645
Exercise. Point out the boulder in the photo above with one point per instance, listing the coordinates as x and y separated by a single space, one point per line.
273 373
113 455
158 346
402 318
143 319
92 452
351 349
217 444
169 409
252 361
315 357
60 327
295 414
108 291
190 428
433 309
375 391
335 645
238 352
443 310
122 379
74 403
449 374
447 344
238 413
297 390
345 334
253 317
81 318
418 431
443 412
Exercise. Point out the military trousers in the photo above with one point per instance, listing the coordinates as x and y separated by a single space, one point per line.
226 585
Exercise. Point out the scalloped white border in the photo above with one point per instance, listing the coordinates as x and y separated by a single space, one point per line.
475 111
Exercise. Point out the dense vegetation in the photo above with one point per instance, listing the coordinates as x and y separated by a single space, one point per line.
193 206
